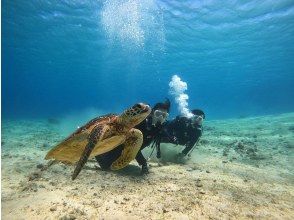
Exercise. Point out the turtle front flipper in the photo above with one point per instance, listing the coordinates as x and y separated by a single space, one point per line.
131 147
95 136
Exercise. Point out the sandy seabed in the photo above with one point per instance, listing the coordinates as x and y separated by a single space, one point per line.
242 169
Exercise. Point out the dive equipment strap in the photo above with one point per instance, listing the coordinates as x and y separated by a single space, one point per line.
189 154
153 147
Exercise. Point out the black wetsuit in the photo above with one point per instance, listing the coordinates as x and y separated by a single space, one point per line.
150 133
186 133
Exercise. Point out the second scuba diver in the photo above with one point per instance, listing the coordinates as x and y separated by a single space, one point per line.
186 131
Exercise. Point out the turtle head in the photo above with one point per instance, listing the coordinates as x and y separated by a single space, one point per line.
135 115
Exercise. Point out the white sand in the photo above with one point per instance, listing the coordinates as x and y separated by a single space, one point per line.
242 169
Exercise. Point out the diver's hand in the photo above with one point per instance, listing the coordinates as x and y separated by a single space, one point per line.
180 155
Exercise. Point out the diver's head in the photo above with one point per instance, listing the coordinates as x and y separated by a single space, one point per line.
160 112
198 116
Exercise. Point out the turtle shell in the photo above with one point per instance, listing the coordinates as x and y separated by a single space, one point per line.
71 148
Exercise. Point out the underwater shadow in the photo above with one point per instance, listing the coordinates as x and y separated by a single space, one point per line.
128 171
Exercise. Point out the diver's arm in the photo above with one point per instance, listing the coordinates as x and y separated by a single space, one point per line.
187 148
194 139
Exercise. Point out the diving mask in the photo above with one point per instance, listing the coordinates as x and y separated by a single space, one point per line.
198 119
159 116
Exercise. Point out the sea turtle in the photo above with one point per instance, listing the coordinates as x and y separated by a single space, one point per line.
101 135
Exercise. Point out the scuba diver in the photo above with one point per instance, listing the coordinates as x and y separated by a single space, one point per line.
151 128
185 131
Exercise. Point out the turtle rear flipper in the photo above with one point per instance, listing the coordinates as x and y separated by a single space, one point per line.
131 147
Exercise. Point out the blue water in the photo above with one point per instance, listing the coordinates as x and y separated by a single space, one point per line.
237 57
